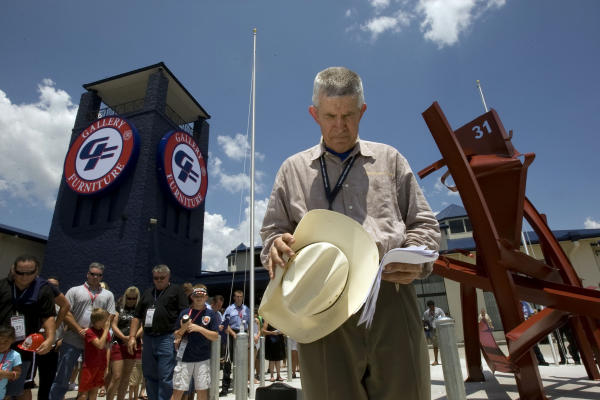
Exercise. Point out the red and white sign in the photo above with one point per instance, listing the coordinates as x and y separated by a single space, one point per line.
100 155
183 169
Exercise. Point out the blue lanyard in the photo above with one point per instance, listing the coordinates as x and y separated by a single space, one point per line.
332 194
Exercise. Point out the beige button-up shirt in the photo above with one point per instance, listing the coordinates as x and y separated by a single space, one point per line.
380 192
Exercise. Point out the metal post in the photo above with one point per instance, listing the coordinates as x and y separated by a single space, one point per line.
215 359
453 379
240 369
288 348
261 360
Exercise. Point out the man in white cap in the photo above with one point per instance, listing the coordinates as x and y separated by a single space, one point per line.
373 184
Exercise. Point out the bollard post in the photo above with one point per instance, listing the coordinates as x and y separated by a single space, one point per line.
261 360
453 379
288 349
240 369
215 359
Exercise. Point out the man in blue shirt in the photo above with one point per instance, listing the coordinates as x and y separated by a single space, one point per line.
235 318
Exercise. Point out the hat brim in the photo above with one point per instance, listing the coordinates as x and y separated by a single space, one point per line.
360 250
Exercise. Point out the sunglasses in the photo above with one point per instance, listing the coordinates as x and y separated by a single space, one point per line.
95 274
25 273
159 278
131 298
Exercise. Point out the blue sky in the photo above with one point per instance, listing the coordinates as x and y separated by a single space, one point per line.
538 62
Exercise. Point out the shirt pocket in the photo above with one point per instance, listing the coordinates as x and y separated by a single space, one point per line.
381 199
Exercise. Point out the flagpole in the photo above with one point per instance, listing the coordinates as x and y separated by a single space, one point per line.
251 323
481 93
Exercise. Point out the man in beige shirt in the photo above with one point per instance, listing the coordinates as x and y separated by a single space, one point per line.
373 184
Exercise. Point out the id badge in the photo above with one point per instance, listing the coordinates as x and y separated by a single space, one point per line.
149 317
18 322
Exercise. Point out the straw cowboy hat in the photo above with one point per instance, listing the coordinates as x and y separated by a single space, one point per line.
326 282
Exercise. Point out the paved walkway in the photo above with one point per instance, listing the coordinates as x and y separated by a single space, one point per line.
568 382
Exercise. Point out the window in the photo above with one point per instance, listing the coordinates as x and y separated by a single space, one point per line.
460 225
457 226
468 227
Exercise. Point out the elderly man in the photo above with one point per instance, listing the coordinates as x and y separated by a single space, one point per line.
157 310
83 299
373 184
26 303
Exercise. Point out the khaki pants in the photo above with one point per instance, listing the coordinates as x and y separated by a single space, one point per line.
387 362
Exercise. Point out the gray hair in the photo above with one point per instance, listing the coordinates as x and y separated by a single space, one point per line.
161 269
338 81
96 265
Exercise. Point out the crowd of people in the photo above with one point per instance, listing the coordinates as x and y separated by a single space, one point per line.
169 327
152 343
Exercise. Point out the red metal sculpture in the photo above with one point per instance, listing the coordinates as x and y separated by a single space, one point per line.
490 177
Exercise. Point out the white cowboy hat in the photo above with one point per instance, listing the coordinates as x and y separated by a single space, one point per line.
326 282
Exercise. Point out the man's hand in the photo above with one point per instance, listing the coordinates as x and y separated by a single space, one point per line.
45 347
279 249
401 272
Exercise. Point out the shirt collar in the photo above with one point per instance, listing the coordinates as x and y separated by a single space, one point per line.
90 288
359 148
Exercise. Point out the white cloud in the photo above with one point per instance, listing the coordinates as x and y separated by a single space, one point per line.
348 13
237 147
394 23
379 5
441 21
439 187
233 183
220 238
591 224
444 20
34 141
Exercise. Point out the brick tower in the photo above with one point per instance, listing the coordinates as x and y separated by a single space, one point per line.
133 187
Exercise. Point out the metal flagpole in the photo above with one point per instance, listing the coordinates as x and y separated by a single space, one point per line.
251 322
523 241
481 93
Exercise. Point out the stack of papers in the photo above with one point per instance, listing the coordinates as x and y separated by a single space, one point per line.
409 255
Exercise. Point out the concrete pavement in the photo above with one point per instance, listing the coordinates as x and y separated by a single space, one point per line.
567 382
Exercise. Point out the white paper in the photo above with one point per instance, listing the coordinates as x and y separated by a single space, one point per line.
409 255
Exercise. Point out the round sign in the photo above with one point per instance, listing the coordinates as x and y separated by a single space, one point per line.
182 169
101 154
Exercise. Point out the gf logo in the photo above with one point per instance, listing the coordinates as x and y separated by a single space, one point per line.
183 161
95 150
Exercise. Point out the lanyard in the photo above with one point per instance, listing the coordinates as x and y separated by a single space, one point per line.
331 195
197 315
160 294
240 313
92 296
15 298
